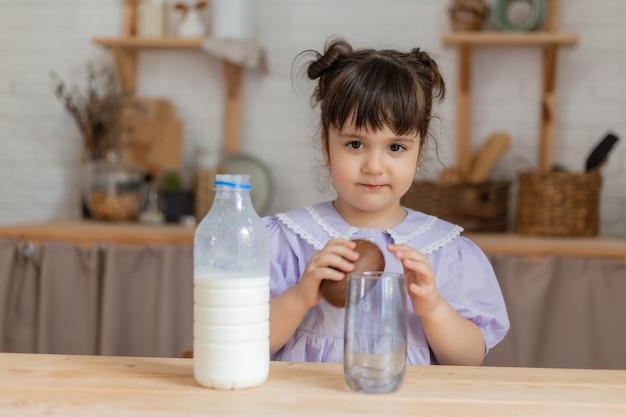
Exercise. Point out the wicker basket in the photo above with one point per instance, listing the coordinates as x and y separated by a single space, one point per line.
481 207
468 15
558 203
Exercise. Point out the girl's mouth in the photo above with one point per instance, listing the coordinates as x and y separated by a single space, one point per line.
372 187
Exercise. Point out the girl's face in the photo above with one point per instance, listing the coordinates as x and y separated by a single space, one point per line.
371 171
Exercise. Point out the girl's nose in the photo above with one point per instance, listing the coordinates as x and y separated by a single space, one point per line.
373 164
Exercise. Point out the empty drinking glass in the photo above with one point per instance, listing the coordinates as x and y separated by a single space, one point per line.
375 332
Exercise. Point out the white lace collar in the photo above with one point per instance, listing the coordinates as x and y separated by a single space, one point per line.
321 222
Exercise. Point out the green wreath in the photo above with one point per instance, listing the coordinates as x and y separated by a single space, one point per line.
538 11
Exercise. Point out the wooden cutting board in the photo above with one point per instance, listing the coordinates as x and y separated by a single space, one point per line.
150 108
153 138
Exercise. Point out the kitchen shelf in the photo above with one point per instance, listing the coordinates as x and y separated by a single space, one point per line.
134 42
125 50
549 40
510 39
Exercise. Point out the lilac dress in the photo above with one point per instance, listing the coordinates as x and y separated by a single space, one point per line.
464 277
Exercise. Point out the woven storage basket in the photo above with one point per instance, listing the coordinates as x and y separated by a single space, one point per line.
481 207
468 14
558 203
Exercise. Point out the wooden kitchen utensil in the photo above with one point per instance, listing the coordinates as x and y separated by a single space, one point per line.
449 176
152 136
150 108
487 156
154 145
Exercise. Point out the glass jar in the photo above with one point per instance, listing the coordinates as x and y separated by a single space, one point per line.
113 190
152 18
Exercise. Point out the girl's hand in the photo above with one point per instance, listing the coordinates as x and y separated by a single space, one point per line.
420 278
333 262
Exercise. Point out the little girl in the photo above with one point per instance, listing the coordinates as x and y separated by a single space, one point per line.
375 111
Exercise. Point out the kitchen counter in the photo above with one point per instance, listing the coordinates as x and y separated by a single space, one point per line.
89 232
49 385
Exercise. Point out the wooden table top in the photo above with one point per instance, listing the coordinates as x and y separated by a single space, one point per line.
89 233
71 386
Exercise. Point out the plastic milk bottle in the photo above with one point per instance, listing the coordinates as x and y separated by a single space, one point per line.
231 290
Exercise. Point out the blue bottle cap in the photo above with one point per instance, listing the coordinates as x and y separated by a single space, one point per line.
233 181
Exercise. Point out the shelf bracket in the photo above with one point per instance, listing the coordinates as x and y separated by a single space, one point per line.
130 18
548 109
464 110
126 63
232 108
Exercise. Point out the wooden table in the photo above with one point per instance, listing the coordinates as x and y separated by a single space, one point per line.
56 385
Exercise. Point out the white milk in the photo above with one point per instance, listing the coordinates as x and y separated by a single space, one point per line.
231 331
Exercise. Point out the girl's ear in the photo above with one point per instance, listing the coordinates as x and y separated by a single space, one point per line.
325 150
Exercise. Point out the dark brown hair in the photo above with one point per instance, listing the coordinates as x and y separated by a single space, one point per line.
375 88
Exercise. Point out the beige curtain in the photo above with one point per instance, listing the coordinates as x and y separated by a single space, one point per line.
19 289
138 301
147 301
565 312
108 299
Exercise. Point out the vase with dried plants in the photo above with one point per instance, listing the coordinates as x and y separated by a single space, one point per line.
112 189
96 110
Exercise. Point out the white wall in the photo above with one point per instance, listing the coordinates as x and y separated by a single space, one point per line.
39 145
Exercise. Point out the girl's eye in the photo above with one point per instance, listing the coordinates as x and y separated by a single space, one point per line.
396 148
355 144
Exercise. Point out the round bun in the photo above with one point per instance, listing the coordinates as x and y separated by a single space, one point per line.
371 259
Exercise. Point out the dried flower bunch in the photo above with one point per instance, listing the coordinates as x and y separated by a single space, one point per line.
97 110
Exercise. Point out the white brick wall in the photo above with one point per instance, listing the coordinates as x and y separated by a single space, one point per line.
39 154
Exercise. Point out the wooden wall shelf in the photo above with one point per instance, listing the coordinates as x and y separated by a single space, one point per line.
549 40
510 39
125 53
133 42
125 49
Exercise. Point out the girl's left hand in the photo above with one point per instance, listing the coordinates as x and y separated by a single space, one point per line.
420 278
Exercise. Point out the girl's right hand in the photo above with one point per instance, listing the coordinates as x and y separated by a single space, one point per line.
333 262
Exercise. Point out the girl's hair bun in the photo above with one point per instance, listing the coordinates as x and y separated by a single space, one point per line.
333 50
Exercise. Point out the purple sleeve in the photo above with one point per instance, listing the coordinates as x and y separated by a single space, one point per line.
466 279
284 271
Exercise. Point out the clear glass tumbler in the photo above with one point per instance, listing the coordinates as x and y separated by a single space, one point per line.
375 332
